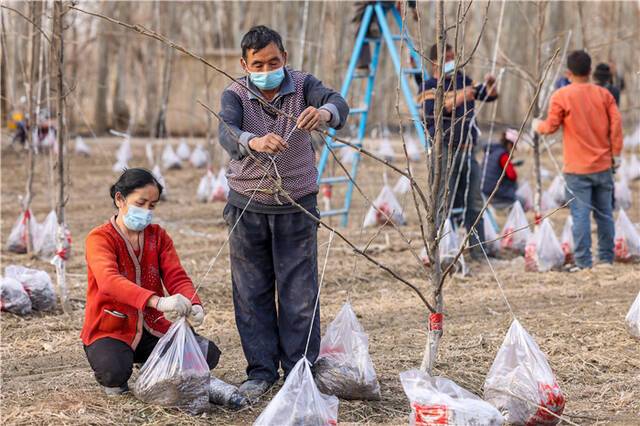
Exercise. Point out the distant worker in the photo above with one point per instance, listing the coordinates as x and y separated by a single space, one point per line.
603 77
459 118
273 240
497 160
592 142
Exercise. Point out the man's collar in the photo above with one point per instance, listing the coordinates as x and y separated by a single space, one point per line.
286 87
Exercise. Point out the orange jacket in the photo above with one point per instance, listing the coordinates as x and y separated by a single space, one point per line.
120 283
591 124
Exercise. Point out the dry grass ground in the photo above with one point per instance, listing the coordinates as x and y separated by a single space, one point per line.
577 319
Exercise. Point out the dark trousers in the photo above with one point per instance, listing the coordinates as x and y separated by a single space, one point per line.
274 254
468 195
112 360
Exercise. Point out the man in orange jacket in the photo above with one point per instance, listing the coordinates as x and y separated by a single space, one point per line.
592 142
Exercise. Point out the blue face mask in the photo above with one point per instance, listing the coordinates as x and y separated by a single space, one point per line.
267 80
137 218
449 67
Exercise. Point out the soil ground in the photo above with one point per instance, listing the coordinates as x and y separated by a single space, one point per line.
577 319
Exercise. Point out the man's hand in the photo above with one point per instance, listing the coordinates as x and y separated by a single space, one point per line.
269 143
312 117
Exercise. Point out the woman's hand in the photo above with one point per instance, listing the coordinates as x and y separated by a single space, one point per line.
176 304
196 316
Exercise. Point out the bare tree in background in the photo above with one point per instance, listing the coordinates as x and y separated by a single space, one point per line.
101 113
160 125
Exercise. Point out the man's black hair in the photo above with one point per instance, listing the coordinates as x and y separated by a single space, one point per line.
433 52
258 38
579 63
602 73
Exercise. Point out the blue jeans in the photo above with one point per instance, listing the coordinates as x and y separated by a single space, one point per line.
593 191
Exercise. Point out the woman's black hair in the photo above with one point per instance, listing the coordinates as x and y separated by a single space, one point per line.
132 179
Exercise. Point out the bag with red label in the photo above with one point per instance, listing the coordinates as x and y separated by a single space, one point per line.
45 240
566 242
344 367
515 238
627 240
386 208
632 320
299 402
220 190
21 233
205 187
622 193
439 401
521 381
543 251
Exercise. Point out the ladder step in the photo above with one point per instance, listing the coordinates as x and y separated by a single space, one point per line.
412 70
334 212
334 179
400 37
372 40
358 110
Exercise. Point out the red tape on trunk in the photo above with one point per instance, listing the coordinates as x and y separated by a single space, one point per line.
435 321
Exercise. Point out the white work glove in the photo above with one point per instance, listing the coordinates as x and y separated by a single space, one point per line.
534 125
196 316
616 162
176 304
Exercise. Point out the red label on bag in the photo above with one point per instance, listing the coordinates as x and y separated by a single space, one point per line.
507 241
326 190
621 249
551 398
530 258
435 321
431 415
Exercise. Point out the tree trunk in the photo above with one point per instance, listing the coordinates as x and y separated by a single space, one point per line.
167 72
120 109
101 113
4 95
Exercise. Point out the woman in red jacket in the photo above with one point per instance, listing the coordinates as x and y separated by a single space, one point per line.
131 264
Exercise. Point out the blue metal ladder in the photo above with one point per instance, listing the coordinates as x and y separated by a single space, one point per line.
378 13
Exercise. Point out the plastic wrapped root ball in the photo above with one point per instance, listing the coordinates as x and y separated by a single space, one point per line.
36 283
13 297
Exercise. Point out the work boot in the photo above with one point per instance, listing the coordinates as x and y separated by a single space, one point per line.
222 393
253 389
116 391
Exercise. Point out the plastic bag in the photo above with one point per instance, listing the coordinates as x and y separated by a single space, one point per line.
492 244
557 191
170 159
547 202
543 251
515 241
525 193
199 157
413 149
448 247
220 190
20 234
566 242
176 373
36 283
46 239
521 379
299 402
440 401
183 150
632 320
205 187
81 148
385 150
622 194
158 175
402 186
148 150
123 154
13 297
344 367
348 155
627 239
119 167
633 172
387 208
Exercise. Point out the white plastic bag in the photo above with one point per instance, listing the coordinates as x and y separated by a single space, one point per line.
385 150
81 148
566 242
344 367
183 150
547 202
13 297
124 154
148 150
36 283
402 186
46 239
447 247
205 187
220 190
632 320
387 208
627 239
348 155
413 149
525 193
622 194
557 191
199 157
521 379
543 251
299 402
21 234
170 159
633 172
119 167
515 241
440 401
176 373
492 244
158 175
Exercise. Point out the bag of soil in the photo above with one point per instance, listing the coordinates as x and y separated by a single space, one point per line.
557 191
492 244
21 234
176 374
632 320
183 150
299 402
81 148
543 251
521 381
170 159
220 190
13 297
440 401
627 240
622 194
158 175
566 242
199 157
344 367
205 187
513 240
36 283
45 240
525 193
387 209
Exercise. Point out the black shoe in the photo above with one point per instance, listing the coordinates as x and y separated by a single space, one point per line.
253 389
116 391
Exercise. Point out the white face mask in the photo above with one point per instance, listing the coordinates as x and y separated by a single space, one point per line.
449 67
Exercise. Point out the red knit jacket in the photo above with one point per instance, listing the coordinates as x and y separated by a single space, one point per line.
120 283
